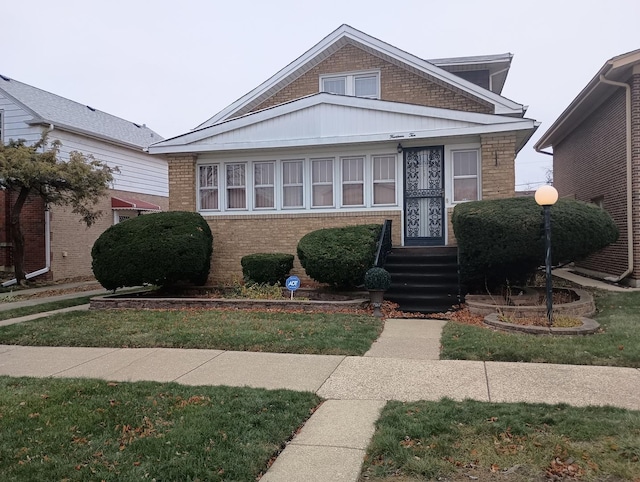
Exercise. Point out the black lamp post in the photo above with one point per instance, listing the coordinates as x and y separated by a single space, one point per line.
546 196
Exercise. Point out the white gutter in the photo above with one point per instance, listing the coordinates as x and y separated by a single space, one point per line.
47 253
629 270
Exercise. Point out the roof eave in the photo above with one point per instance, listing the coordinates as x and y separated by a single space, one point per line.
594 92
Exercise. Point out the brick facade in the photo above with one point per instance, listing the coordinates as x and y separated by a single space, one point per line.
590 163
182 183
32 222
498 153
635 169
396 84
72 240
235 236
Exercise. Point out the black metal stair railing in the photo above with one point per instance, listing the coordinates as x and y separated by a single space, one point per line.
384 244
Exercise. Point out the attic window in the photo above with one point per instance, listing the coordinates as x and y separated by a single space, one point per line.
359 84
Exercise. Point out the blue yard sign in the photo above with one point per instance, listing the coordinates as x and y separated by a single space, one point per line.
292 284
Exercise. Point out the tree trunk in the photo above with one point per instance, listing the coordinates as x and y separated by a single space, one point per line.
18 237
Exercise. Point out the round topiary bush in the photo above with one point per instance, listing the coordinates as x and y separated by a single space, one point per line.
377 279
503 240
339 256
161 249
269 268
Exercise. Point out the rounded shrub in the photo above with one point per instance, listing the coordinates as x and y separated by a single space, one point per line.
503 240
377 279
269 268
339 256
160 248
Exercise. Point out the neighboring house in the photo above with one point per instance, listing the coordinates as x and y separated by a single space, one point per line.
354 131
596 158
57 245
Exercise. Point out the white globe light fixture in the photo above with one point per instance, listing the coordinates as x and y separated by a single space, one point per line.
546 196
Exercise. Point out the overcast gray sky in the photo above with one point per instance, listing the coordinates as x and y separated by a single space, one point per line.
173 64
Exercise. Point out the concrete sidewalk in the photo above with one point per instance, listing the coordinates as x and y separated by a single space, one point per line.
332 444
403 364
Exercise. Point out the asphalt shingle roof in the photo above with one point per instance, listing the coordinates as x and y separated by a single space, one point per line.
62 112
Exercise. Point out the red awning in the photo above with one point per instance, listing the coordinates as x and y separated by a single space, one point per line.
121 203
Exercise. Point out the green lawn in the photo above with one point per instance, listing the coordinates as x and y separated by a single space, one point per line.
57 429
462 441
316 333
617 345
42 307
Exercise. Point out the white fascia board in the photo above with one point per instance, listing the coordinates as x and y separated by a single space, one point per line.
502 104
516 125
325 98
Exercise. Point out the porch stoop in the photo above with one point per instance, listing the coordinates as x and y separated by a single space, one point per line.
423 279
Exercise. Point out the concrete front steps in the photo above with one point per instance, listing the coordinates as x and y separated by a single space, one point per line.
423 279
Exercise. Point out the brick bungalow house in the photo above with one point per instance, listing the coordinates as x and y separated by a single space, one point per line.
57 245
596 158
354 131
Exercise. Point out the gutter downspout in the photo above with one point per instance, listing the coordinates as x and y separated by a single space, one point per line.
629 270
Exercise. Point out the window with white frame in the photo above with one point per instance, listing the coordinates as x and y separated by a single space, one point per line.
236 186
292 184
208 187
384 180
366 84
465 175
322 183
264 185
353 181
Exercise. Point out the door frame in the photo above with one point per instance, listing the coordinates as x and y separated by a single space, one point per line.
425 241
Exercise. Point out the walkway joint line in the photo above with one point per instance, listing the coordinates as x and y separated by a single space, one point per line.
486 378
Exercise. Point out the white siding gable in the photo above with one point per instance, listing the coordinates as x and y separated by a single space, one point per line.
15 120
139 172
332 121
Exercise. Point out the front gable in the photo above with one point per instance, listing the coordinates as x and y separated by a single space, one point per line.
328 119
348 48
397 84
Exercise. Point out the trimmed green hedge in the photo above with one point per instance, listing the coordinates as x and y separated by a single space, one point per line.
160 248
339 256
503 239
270 268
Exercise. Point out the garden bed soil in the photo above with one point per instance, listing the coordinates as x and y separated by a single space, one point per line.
587 326
531 302
212 298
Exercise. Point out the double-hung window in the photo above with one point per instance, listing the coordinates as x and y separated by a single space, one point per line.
236 186
292 184
208 187
384 180
322 183
353 181
465 175
366 84
264 185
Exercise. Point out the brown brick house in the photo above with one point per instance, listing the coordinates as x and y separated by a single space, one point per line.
57 245
353 131
596 158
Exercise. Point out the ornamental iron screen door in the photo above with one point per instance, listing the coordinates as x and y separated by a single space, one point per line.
424 212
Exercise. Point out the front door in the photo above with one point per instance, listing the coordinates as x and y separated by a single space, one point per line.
424 212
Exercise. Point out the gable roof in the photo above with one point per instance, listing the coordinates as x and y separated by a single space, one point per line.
497 65
618 69
340 37
330 119
65 114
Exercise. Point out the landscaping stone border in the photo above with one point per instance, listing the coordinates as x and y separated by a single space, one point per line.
584 306
588 327
123 301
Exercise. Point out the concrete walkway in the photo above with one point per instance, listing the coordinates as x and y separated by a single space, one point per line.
402 365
